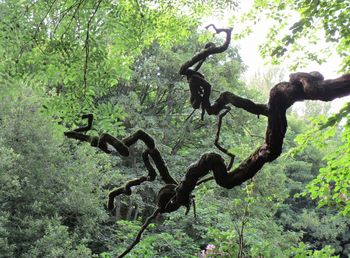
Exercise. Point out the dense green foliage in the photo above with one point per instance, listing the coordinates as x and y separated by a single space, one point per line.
120 61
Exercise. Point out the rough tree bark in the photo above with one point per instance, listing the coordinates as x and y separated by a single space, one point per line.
301 86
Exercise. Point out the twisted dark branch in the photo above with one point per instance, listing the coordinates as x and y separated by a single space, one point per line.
200 96
201 90
172 196
302 86
125 190
109 144
162 169
209 50
88 127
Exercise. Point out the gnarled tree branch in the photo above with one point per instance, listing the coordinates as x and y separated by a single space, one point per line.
301 86
209 50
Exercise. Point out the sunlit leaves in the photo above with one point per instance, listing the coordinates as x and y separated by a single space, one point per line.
76 51
109 118
304 250
332 185
295 28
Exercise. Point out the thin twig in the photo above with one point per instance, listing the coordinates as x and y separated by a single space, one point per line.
194 110
138 237
76 11
205 180
247 130
43 19
65 12
216 143
87 44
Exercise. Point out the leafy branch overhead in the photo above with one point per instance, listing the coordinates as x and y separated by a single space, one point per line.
173 195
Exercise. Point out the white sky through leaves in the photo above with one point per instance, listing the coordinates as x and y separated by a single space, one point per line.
249 51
